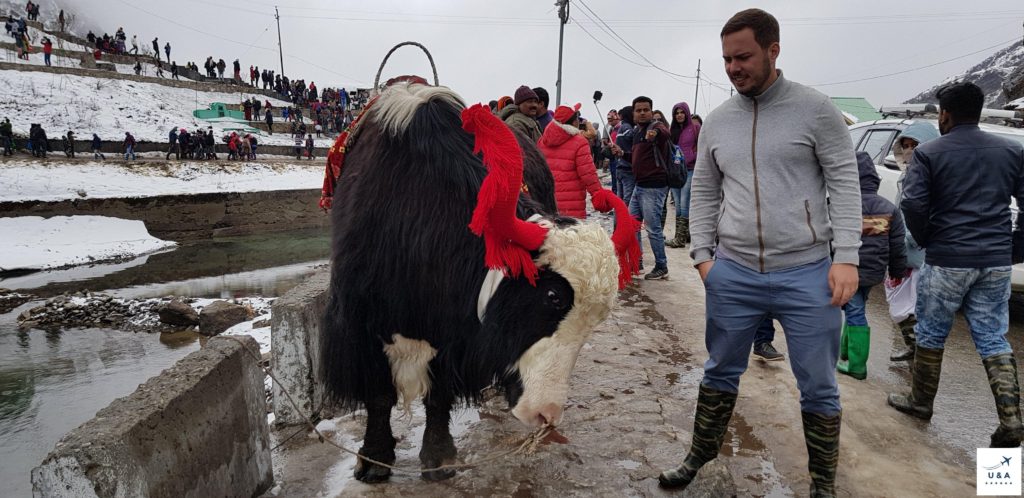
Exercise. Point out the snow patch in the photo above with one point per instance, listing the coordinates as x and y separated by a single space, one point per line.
37 243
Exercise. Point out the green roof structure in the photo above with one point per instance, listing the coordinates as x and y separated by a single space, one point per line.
856 109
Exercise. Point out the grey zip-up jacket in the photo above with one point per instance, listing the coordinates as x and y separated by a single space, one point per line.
764 165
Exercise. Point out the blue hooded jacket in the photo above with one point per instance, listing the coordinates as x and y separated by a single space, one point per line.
882 231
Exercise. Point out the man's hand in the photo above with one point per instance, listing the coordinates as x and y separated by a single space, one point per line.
843 280
704 268
651 134
616 150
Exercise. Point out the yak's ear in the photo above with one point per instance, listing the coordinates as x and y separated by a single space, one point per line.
508 239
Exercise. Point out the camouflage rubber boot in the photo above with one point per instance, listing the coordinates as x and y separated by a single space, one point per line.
927 368
679 239
821 434
1002 377
909 338
714 409
686 231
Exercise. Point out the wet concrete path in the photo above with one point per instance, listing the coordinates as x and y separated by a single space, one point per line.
630 413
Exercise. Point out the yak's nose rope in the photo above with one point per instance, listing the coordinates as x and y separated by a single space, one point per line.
528 445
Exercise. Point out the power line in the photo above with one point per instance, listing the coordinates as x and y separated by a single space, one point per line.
1003 44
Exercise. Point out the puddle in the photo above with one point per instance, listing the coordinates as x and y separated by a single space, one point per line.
672 378
629 464
741 439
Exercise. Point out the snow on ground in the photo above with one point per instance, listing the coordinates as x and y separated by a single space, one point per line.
36 243
109 107
22 180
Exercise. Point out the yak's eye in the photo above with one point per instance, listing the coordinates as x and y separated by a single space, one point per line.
555 299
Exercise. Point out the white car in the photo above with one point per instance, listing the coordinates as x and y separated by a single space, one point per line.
877 139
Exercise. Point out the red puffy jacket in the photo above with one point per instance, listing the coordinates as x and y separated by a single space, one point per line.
568 156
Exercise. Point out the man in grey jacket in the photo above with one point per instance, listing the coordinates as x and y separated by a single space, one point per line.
761 229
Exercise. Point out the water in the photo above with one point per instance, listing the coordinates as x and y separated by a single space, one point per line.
53 381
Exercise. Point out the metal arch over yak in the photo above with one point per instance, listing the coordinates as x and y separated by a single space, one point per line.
439 288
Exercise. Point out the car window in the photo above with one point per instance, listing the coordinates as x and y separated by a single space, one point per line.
856 135
877 144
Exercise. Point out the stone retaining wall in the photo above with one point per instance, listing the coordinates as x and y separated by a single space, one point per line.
295 333
198 216
197 429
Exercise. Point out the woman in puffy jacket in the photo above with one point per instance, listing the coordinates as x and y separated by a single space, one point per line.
567 150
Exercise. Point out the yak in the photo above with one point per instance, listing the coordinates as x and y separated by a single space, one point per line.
440 288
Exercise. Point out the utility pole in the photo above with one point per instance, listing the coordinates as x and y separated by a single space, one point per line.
695 92
280 51
563 18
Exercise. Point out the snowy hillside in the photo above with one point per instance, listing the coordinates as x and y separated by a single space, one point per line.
1003 67
110 107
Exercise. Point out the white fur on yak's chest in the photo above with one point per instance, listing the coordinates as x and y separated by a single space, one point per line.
410 367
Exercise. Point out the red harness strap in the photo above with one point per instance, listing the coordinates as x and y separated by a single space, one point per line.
336 157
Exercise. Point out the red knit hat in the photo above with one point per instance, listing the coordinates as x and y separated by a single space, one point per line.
564 114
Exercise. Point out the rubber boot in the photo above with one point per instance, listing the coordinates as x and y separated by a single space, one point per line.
927 368
679 240
844 345
714 409
1002 378
686 230
821 434
858 340
909 338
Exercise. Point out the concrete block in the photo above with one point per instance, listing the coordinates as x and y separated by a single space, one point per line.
295 356
197 429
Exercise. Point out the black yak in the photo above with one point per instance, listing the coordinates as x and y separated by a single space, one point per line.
415 312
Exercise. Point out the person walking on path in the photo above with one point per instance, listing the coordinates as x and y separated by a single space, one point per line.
129 146
684 135
167 50
956 200
174 70
135 44
270 122
883 245
7 137
97 147
622 149
650 140
172 144
522 115
47 50
156 48
309 146
903 149
568 155
762 233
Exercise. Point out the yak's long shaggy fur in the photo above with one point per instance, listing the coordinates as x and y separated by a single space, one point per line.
404 259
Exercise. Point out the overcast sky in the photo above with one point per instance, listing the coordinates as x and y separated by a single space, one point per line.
485 49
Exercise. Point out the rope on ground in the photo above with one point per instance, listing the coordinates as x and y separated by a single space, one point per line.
527 446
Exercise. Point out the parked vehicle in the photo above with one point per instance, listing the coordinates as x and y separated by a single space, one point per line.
878 137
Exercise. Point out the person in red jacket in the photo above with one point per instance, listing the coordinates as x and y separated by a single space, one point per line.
47 50
567 151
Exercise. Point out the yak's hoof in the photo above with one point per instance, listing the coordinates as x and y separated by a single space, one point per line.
371 473
438 475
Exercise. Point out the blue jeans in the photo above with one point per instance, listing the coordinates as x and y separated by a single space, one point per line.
685 213
646 204
739 300
627 182
129 150
855 309
984 295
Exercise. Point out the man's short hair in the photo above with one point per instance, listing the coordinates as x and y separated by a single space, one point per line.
962 100
763 24
542 96
643 99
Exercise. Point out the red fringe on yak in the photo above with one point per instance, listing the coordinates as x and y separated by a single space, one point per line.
508 239
626 246
336 158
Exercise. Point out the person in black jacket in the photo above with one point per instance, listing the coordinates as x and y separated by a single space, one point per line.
956 202
882 247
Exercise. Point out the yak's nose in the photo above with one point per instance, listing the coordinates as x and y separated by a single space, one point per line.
551 414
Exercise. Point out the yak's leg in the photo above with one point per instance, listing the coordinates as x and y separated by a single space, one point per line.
379 443
438 446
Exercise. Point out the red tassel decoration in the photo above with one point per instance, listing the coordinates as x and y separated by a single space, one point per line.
508 239
627 248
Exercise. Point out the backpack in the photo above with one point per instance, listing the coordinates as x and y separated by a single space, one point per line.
671 160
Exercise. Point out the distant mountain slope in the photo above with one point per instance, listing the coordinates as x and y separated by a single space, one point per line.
1000 76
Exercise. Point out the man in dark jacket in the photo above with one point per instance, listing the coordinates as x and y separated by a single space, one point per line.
650 138
172 144
7 137
956 201
882 247
156 48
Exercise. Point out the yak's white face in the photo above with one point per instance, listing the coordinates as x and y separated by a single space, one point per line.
582 254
